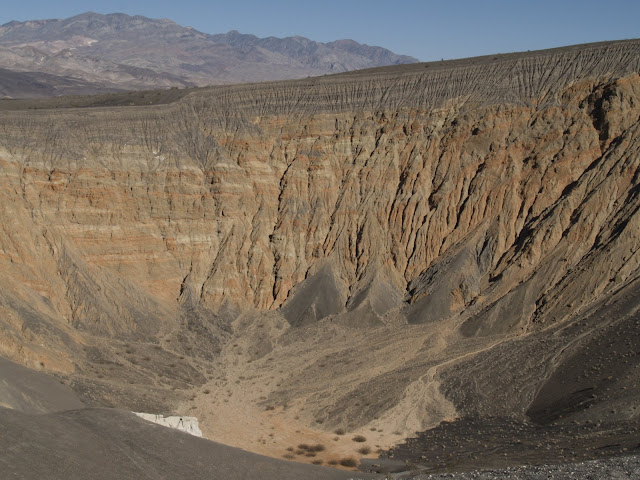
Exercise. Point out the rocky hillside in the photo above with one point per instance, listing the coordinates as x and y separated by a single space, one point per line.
376 251
117 51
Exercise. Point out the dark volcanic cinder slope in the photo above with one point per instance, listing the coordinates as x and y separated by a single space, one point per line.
373 252
46 433
109 444
33 392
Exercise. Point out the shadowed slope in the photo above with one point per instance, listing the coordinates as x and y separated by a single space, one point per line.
31 392
46 433
111 444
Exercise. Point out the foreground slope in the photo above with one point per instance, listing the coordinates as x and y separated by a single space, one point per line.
377 252
47 433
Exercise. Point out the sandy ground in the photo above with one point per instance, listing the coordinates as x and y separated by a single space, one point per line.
272 411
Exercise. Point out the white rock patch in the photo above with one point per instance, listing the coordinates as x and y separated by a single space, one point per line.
179 422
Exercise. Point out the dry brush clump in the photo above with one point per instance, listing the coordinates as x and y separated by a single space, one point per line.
306 449
364 450
349 462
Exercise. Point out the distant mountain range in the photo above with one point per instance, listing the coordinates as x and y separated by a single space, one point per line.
96 53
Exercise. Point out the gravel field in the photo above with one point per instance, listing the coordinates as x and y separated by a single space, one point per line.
613 468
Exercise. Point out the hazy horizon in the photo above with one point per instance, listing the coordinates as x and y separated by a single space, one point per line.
424 30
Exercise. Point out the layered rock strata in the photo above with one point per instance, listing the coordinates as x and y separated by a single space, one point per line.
474 203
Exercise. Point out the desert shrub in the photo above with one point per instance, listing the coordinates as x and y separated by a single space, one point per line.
310 454
364 450
288 456
332 462
317 461
339 431
348 462
318 447
359 438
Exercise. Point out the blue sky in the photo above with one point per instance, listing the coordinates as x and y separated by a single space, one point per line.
427 30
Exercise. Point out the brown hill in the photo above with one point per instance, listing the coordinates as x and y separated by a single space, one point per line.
118 51
375 252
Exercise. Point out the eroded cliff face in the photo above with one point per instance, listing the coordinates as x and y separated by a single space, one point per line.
469 204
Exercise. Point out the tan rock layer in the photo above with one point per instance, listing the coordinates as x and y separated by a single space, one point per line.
401 186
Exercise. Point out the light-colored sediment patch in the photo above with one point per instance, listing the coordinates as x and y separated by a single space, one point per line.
178 422
422 407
